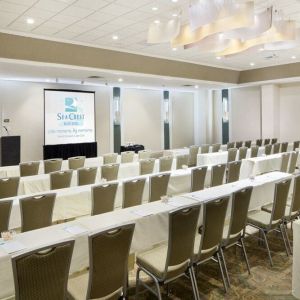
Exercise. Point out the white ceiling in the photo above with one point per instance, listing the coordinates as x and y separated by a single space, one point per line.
94 22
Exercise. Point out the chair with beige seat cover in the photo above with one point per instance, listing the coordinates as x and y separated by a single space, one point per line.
110 172
259 142
276 148
52 165
268 149
234 168
198 178
242 153
230 145
248 144
204 149
193 152
274 141
217 174
156 154
254 151
158 186
144 154
147 166
293 162
215 148
266 142
110 158
5 210
60 179
108 266
29 168
165 163
86 176
284 147
127 157
133 192
76 162
284 162
232 154
171 260
181 161
296 145
9 187
239 144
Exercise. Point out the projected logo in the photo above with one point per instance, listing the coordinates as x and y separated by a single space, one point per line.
70 105
73 113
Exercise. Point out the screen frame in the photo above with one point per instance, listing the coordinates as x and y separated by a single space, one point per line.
71 91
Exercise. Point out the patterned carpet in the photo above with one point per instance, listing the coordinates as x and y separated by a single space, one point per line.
264 283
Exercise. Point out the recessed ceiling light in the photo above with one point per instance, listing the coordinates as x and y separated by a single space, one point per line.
156 21
293 57
154 8
218 57
120 79
30 21
196 86
174 1
175 15
115 37
252 64
261 49
174 49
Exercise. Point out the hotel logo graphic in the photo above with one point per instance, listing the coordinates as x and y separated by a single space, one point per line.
70 105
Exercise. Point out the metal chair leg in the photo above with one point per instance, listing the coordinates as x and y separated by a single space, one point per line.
267 246
222 272
288 239
194 283
245 255
284 241
225 266
137 283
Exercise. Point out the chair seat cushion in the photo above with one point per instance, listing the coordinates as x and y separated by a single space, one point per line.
268 208
260 219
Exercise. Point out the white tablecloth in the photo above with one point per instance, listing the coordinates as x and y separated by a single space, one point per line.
296 259
177 152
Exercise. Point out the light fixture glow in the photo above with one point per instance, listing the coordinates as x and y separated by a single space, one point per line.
252 64
30 21
174 49
293 57
154 8
218 57
156 21
196 86
120 80
115 37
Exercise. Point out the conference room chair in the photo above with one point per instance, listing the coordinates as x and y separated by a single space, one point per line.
239 144
259 142
274 141
296 145
36 211
52 165
234 233
276 148
242 153
110 172
234 168
254 151
215 148
5 210
284 147
133 192
267 222
86 175
204 149
165 163
127 157
144 154
146 166
156 154
208 240
268 149
248 144
9 187
158 186
198 178
266 142
232 153
76 162
230 145
171 260
103 198
43 273
292 210
293 162
193 152
110 158
60 179
217 174
182 161
284 162
108 266
29 168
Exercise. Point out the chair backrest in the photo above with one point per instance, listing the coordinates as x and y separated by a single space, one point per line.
165 163
36 211
217 174
181 160
9 187
127 157
234 168
259 142
76 162
230 145
295 205
5 210
293 162
29 168
284 147
214 213
239 211
276 148
268 149
147 166
239 144
280 200
133 192
110 172
108 255
198 178
182 231
52 165
103 198
110 158
274 141
284 162
215 147
254 151
193 151
43 273
158 186
157 154
266 142
242 153
232 154
60 179
204 149
86 175
248 144
144 154
296 145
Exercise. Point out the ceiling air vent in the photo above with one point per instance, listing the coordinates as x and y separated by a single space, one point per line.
272 56
95 77
188 85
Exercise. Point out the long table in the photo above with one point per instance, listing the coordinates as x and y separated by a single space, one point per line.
296 260
151 221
